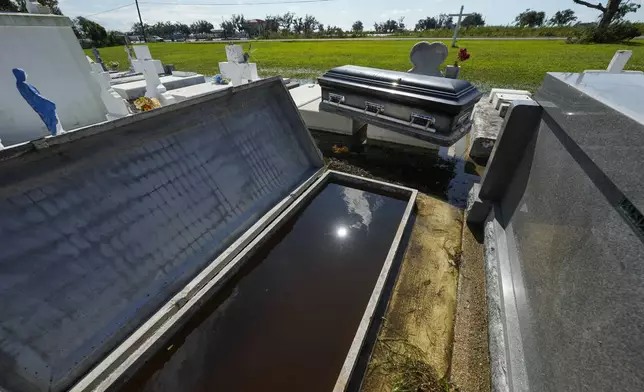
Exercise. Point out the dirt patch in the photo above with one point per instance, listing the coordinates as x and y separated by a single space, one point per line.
470 359
418 326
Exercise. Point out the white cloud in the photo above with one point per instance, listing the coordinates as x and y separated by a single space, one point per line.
392 13
124 18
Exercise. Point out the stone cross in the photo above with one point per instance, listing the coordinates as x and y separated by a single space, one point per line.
458 24
154 87
427 58
237 68
116 106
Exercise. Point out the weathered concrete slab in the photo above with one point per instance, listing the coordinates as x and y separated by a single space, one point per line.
136 89
496 91
470 369
419 321
485 129
183 93
500 99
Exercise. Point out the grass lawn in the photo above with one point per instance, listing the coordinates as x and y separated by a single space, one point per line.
513 64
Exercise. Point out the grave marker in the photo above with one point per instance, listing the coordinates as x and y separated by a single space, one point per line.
458 24
427 58
98 58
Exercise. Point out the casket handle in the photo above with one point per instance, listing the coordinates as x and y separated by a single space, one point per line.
336 98
374 108
423 120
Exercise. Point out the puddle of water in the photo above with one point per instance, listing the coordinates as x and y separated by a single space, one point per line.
287 319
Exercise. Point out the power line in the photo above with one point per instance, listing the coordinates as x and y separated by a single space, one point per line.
238 4
110 10
212 4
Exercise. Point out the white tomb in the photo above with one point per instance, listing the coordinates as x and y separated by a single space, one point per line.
137 88
184 93
237 68
45 47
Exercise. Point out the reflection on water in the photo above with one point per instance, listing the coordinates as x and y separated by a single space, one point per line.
357 203
286 321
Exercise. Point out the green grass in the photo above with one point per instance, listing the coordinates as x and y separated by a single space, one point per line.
512 64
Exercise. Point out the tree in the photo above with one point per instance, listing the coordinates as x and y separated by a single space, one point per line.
530 18
90 30
563 18
182 29
138 30
228 27
239 22
401 23
445 22
115 38
298 25
614 10
286 21
20 6
426 24
357 27
474 20
8 6
335 31
390 26
271 24
310 24
201 27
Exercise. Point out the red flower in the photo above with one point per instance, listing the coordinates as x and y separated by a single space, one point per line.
463 55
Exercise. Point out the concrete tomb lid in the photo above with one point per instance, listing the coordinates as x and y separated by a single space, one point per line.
102 226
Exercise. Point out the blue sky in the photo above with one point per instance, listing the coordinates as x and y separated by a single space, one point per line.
337 12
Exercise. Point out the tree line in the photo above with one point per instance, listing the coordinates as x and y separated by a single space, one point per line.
615 11
290 25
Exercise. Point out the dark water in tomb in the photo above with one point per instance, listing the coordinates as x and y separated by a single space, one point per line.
286 321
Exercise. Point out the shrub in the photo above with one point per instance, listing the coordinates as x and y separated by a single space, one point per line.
614 33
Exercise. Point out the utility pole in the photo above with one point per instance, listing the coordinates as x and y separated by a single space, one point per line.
141 20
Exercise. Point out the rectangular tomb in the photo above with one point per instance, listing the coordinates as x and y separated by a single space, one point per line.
117 235
287 318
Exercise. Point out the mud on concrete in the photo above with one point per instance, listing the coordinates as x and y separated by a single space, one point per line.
420 317
470 359
435 326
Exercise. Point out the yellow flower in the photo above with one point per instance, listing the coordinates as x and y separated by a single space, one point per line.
144 103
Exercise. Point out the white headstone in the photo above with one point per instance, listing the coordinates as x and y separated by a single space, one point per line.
142 52
116 106
619 61
427 58
235 54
